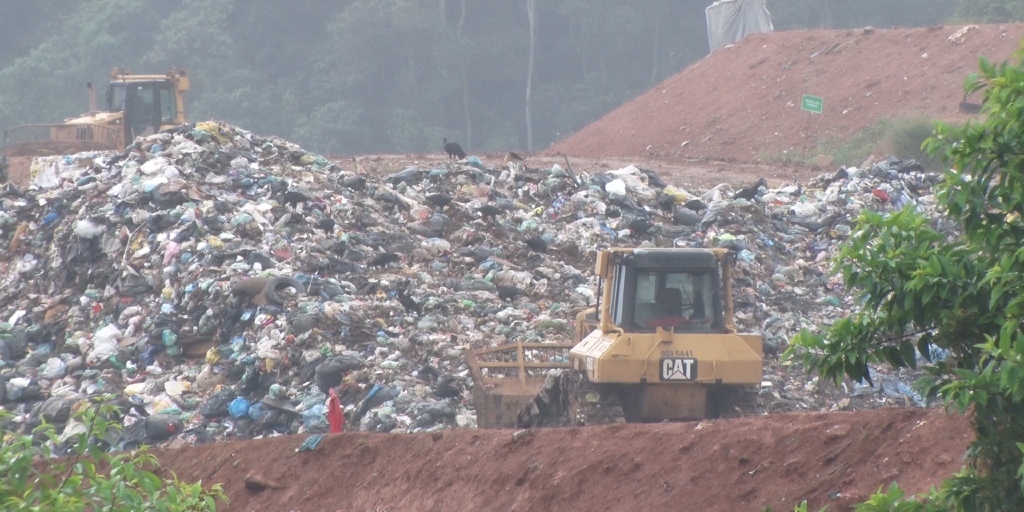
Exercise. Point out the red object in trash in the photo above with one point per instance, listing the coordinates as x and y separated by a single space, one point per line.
880 194
334 415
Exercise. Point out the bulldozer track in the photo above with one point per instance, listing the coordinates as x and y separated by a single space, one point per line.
592 404
569 399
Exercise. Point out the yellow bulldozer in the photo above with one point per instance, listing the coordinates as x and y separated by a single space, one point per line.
136 105
660 344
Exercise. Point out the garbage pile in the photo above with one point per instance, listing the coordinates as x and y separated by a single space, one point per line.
223 283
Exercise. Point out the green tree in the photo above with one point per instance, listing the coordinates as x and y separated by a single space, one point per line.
90 478
926 289
991 11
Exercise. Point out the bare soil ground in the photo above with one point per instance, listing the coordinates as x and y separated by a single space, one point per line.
689 174
742 103
746 464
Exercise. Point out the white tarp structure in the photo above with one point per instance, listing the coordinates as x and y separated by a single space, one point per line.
732 20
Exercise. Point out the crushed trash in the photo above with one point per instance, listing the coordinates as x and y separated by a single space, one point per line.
224 284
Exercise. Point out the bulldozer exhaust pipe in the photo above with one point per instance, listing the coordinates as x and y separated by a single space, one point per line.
92 97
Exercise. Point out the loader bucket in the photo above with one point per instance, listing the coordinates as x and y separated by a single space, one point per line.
23 143
508 376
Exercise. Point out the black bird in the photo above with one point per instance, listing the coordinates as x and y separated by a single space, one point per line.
750 193
667 202
481 254
508 292
439 200
537 244
294 198
447 386
696 205
326 224
653 179
382 260
454 150
489 210
355 182
339 248
640 226
409 303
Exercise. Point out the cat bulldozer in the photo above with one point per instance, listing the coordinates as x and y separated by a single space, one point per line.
660 345
136 105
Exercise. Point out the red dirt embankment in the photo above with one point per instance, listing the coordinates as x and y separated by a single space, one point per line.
834 459
742 103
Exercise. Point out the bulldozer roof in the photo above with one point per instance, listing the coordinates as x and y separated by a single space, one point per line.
672 257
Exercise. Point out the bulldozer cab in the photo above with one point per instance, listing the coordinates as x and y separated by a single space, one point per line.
648 298
149 103
146 106
673 289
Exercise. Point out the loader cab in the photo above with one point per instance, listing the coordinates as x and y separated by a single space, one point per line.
675 289
147 105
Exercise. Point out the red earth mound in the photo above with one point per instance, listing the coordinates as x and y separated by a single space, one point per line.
745 464
743 103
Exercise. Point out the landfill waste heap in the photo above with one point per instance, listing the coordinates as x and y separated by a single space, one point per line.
220 283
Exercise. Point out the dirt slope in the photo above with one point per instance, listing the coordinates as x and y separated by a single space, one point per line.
833 459
689 175
743 103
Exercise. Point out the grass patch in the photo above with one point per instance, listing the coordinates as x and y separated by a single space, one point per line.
901 138
854 150
905 138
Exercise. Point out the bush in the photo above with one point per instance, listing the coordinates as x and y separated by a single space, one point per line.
963 293
90 478
904 140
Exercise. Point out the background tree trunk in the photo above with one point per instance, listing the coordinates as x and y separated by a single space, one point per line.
654 66
529 75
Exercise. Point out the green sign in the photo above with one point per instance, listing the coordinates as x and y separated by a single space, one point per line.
811 104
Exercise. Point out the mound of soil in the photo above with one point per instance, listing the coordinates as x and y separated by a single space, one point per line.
743 103
834 459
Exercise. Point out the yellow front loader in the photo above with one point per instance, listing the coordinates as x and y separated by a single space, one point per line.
135 105
661 344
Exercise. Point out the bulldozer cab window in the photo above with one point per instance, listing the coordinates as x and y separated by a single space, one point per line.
680 300
140 109
115 97
167 104
618 294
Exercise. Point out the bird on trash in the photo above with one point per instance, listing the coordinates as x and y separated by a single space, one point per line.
382 260
508 293
750 193
696 205
513 157
454 150
409 303
481 254
439 200
667 202
447 386
326 224
293 198
489 210
640 226
355 182
537 244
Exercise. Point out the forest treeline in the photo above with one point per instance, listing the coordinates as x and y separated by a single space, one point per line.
367 76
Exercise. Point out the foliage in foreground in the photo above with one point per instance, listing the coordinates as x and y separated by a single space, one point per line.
90 478
926 289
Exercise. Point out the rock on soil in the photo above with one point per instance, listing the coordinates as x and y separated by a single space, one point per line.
834 459
742 103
